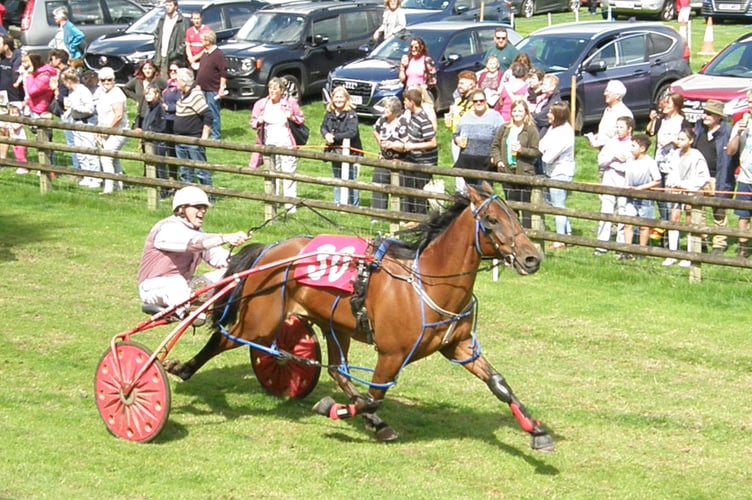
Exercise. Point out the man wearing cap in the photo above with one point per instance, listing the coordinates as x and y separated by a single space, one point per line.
176 246
169 38
741 142
615 109
712 135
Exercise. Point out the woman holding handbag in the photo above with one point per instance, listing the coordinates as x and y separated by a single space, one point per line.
272 117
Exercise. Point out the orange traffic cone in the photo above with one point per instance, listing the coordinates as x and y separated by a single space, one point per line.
707 42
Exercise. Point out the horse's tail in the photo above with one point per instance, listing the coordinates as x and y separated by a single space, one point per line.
225 310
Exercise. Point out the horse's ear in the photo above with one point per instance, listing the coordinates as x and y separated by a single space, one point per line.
487 187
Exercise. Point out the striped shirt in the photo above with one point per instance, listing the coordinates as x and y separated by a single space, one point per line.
192 114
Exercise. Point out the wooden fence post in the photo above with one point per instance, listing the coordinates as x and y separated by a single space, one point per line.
394 200
694 241
45 183
150 170
538 223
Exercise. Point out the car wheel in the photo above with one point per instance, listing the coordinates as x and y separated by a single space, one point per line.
579 119
527 8
661 92
668 12
293 87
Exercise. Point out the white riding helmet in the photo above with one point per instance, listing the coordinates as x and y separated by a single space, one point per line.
189 195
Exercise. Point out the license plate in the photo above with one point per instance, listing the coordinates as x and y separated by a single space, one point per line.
356 99
623 5
693 116
729 6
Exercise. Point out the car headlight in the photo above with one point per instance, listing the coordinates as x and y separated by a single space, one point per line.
391 84
139 57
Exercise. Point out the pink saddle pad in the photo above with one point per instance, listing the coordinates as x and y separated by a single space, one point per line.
329 262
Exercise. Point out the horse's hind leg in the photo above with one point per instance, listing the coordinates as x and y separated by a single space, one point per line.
481 368
217 344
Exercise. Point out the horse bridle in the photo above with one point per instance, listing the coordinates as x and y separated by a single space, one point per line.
482 224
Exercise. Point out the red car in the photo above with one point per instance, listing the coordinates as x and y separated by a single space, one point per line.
726 78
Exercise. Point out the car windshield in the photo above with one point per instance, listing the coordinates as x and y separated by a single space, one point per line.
425 4
553 54
148 22
271 27
398 45
736 61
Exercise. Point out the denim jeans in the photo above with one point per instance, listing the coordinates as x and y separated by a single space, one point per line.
353 195
558 200
214 106
196 153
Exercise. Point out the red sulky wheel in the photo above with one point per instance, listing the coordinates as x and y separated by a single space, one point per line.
288 378
141 413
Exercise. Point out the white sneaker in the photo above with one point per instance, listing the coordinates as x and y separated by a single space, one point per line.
685 263
669 262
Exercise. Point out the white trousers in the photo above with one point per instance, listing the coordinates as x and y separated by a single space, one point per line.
169 291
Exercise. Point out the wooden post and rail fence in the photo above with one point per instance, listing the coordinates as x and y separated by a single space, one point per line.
697 228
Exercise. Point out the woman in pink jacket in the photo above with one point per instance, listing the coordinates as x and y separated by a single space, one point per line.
271 117
39 94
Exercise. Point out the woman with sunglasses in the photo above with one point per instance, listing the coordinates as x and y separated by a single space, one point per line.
474 135
417 69
111 113
514 151
170 98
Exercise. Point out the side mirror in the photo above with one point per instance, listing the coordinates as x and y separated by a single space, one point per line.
596 66
320 39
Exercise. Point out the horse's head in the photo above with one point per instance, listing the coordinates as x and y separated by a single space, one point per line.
504 236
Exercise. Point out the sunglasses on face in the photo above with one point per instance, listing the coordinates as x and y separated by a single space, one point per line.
106 80
476 101
501 38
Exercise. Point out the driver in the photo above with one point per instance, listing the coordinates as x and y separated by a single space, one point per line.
176 246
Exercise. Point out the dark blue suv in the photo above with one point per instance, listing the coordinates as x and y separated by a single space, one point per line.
454 46
647 57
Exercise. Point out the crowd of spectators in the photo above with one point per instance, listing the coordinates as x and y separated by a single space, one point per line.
508 118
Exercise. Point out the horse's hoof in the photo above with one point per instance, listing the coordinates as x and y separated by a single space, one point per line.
544 443
176 369
386 435
323 406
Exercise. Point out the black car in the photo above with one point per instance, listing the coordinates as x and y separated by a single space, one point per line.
647 57
125 51
299 41
454 47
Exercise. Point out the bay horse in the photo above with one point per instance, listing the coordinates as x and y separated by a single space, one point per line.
419 300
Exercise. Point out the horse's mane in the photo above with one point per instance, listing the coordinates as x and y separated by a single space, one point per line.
419 237
226 308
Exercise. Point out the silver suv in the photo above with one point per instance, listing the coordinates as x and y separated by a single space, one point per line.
93 17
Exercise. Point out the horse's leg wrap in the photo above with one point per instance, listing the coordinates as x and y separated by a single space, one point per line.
336 411
541 439
365 404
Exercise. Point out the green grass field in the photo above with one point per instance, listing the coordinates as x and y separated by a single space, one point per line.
641 378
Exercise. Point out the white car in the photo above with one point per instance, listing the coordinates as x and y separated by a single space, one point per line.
665 10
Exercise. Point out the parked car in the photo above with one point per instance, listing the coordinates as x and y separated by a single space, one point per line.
299 41
664 10
646 57
93 17
125 51
423 11
728 10
454 47
726 78
528 8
